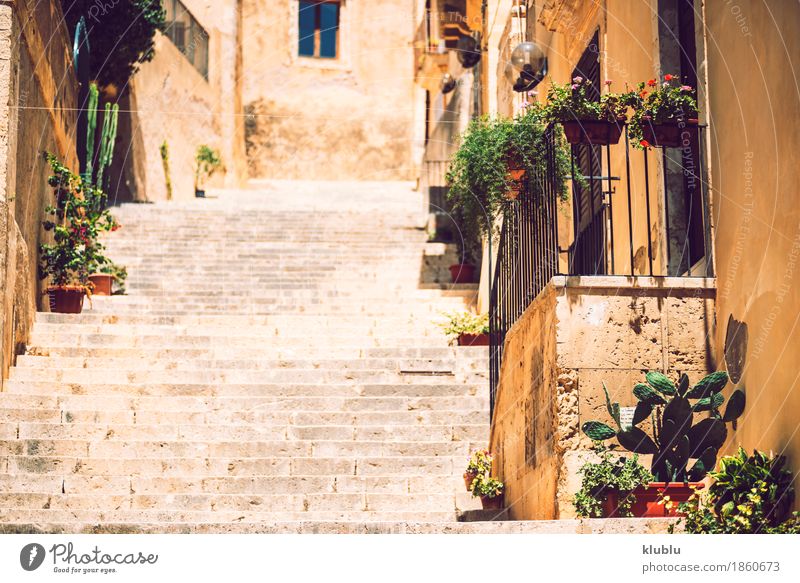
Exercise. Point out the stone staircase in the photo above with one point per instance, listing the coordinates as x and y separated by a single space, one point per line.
275 367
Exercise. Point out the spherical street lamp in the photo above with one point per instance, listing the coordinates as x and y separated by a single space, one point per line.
527 66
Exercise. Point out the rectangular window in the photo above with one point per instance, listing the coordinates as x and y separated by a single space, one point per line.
318 29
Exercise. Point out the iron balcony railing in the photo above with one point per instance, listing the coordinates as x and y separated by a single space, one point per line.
611 229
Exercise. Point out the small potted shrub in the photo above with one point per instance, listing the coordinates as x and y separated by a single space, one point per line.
480 462
750 494
108 279
488 170
676 438
207 162
481 483
608 485
663 113
584 119
467 328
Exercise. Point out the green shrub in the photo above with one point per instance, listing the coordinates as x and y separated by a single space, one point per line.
750 495
611 473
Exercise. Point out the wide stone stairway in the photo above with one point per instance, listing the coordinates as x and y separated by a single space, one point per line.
275 367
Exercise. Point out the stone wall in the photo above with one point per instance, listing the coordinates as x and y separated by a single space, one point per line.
577 334
173 103
345 118
37 102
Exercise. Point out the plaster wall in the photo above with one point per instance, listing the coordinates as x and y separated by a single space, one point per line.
172 102
753 52
37 102
345 118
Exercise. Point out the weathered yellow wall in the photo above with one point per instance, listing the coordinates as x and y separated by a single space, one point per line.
322 119
37 103
753 56
577 334
173 102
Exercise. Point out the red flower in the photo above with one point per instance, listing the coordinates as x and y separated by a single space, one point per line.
642 94
652 82
644 143
668 77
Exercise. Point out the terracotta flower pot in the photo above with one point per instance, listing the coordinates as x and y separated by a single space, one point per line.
610 504
473 340
101 283
66 299
516 178
462 273
592 131
668 135
468 477
649 501
495 503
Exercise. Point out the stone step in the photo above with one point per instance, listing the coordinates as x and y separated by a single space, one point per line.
400 365
412 526
250 391
67 413
199 517
279 505
105 341
249 404
446 434
207 376
138 456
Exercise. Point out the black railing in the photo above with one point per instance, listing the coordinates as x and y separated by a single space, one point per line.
532 249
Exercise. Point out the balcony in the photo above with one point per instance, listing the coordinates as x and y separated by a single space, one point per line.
615 281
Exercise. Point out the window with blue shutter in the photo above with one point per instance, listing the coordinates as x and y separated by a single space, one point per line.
318 29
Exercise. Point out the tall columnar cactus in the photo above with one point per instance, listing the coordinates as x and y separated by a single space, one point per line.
108 137
91 130
676 438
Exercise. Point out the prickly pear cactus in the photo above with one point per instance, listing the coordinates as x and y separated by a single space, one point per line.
677 439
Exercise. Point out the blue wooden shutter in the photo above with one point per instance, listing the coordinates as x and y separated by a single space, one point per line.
307 25
328 29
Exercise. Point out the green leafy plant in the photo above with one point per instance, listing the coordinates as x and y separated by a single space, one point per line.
465 323
676 438
577 102
751 494
657 102
164 150
121 35
76 219
478 176
484 486
207 162
480 462
611 473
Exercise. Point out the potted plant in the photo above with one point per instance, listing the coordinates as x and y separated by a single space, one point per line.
77 218
480 462
587 120
664 114
494 155
207 162
750 494
608 485
676 439
467 328
108 279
